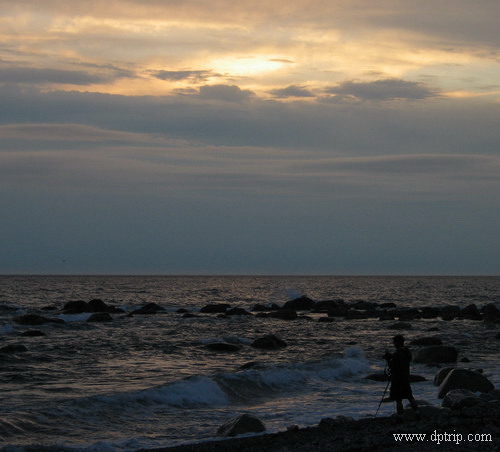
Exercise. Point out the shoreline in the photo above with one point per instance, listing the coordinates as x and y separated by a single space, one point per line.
368 434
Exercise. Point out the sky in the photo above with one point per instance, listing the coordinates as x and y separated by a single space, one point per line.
252 137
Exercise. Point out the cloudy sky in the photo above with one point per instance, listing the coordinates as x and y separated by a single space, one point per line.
259 137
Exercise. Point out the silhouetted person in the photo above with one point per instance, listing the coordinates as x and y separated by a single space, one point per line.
399 366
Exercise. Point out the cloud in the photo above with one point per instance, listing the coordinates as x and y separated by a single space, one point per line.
292 91
32 75
388 89
227 93
176 76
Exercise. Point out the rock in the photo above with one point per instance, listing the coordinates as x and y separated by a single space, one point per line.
223 347
400 326
33 333
13 348
245 423
188 315
465 360
100 317
451 310
237 311
300 304
215 308
339 311
495 393
490 312
329 423
460 398
431 340
76 307
353 315
34 319
182 311
388 305
429 312
327 305
436 354
364 305
441 375
497 336
265 308
268 342
409 314
148 309
97 305
284 314
326 320
471 312
464 379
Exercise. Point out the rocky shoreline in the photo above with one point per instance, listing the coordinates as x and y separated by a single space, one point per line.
444 431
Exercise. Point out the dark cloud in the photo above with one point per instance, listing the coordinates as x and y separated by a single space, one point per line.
227 93
292 91
43 75
388 89
183 75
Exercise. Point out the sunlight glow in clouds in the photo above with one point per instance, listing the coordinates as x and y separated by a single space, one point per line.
318 132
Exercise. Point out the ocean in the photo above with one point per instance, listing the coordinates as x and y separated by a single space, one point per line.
151 381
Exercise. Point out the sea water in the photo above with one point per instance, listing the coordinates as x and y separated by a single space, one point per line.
150 381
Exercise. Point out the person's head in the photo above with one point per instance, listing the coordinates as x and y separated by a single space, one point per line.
398 341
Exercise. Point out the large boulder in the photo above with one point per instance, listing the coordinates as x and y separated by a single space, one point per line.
300 304
364 305
97 305
215 308
460 398
430 312
284 314
13 348
100 317
465 379
326 305
471 312
223 347
237 311
269 342
490 312
34 319
246 423
436 354
430 340
441 375
76 307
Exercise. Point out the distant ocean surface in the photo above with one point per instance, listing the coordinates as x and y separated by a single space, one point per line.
150 381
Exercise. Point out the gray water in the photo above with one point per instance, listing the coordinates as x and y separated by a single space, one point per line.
150 381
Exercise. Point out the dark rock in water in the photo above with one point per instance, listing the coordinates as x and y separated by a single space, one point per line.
327 305
76 307
188 315
436 354
490 312
386 317
352 314
364 305
34 319
429 312
401 326
471 312
245 423
265 308
426 341
49 308
465 360
148 309
441 375
97 305
215 308
339 311
100 317
300 304
237 311
182 311
270 341
387 305
13 348
497 336
465 379
326 320
459 398
284 314
408 314
33 333
249 365
223 347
